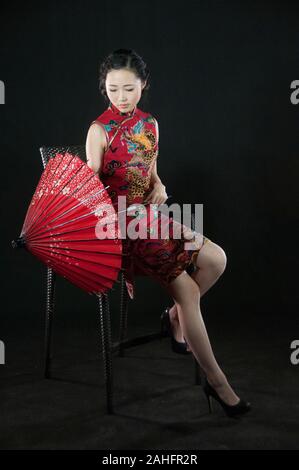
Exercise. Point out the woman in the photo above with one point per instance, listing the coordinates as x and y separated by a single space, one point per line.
122 147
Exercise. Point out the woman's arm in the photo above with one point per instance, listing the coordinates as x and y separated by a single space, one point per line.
154 176
96 143
157 189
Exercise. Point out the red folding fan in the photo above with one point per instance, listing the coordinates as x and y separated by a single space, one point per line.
61 227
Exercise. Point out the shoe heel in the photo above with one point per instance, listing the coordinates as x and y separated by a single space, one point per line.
231 410
210 403
164 328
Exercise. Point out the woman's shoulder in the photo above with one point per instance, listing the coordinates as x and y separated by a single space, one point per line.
151 119
103 118
144 113
148 116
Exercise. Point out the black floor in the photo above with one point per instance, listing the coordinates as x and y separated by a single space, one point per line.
157 404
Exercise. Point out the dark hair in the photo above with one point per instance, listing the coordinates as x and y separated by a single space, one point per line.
123 59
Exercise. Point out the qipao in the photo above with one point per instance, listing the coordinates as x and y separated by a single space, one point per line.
130 154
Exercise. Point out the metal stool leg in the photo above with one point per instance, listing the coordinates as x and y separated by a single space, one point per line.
197 370
51 278
123 314
105 326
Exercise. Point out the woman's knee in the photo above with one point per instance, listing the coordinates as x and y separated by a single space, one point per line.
221 259
213 257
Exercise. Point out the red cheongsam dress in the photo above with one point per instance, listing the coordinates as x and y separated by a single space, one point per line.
130 154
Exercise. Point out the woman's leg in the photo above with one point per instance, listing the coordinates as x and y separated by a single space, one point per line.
185 291
210 265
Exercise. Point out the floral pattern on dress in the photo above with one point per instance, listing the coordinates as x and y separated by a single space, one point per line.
127 167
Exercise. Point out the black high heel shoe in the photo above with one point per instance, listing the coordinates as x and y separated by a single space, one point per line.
166 330
231 410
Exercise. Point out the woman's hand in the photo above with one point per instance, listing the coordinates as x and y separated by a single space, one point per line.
158 194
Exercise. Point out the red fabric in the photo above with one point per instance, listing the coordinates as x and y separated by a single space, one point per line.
127 166
60 225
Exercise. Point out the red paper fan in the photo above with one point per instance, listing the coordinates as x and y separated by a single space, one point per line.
69 203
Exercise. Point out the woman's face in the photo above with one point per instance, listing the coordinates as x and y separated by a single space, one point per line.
123 87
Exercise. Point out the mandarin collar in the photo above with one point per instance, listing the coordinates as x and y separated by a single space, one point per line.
115 110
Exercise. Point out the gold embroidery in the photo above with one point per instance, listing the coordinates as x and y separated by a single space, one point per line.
139 167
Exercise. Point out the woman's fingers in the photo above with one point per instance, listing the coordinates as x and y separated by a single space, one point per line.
153 200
